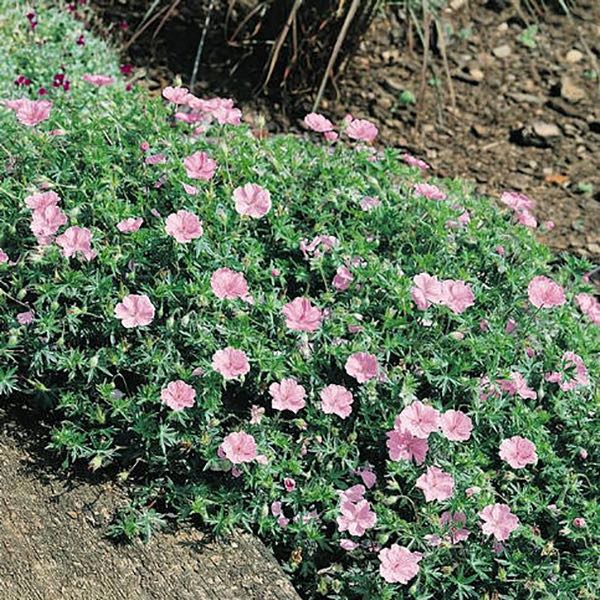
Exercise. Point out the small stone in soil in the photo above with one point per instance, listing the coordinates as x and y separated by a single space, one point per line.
573 56
502 51
570 91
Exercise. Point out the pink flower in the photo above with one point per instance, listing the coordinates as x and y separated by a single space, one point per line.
343 278
516 385
178 395
368 203
436 484
356 493
429 191
130 225
545 293
348 544
200 166
472 491
287 395
317 122
135 310
230 363
337 400
42 200
256 414
457 295
184 226
412 161
456 426
239 447
498 521
228 115
518 452
155 159
589 306
398 564
403 445
574 373
228 284
176 95
455 522
25 318
98 80
331 136
252 200
419 419
191 190
45 223
427 291
33 112
356 518
524 217
368 477
579 522
362 130
301 315
289 484
362 366
3 257
76 239
517 201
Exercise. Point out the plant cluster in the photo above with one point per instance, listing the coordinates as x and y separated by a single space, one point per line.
382 374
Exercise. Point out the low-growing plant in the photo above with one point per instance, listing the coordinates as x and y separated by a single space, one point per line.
382 374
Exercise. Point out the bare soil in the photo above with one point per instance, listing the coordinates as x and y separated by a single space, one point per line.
53 544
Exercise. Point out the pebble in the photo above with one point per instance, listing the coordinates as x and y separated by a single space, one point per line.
545 130
570 91
502 51
573 56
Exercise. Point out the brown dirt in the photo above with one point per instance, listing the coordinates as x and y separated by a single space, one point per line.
52 544
484 138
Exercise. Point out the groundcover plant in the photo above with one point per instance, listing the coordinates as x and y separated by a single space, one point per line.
380 373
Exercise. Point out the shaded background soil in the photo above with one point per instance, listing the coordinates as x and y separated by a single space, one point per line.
511 107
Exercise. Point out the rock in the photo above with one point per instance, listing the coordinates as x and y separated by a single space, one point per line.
394 85
573 56
476 74
545 130
479 130
456 4
502 51
569 91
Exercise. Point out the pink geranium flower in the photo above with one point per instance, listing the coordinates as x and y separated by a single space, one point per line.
589 306
252 200
98 80
413 161
545 293
419 419
135 310
368 203
337 400
301 315
317 122
25 318
130 225
361 130
456 425
200 166
429 191
518 452
176 95
362 366
184 226
155 159
368 476
76 239
3 257
574 374
178 395
356 518
457 295
398 564
436 484
191 190
228 284
42 200
524 217
498 521
517 201
46 222
239 447
426 291
287 395
455 522
343 278
230 363
403 445
33 112
517 385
